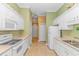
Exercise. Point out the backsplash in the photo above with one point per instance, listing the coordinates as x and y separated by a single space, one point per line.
66 33
14 33
75 31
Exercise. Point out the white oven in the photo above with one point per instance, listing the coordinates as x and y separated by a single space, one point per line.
17 44
18 49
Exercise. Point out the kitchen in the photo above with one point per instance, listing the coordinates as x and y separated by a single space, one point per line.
14 40
57 26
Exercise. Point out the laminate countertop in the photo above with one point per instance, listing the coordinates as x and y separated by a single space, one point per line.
69 38
4 48
71 41
23 37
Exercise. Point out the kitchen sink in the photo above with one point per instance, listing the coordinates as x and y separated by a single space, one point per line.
72 42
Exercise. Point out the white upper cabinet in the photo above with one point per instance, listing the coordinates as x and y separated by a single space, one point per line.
69 17
10 19
74 15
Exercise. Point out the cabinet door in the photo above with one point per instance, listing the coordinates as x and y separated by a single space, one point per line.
2 15
30 40
15 16
27 42
20 23
25 45
73 15
64 49
10 24
3 11
60 49
7 53
68 16
6 12
72 51
57 48
75 10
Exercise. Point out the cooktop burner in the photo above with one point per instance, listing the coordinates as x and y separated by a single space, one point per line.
11 42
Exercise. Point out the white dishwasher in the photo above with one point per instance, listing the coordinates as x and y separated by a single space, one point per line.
18 49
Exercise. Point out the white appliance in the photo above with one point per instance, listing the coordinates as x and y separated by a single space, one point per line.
18 49
42 32
5 38
53 34
17 44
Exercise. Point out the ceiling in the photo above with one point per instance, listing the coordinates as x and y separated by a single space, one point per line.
41 8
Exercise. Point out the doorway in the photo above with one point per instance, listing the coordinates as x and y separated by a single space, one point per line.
35 29
38 28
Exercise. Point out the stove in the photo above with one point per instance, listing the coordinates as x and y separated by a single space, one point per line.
11 42
17 44
7 39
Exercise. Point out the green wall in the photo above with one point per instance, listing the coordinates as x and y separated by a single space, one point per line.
27 20
50 18
75 31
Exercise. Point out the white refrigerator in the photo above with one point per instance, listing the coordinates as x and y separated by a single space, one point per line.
53 34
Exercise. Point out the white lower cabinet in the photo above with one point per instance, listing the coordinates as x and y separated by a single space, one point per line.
30 40
7 53
63 49
19 49
60 50
26 45
57 47
73 52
